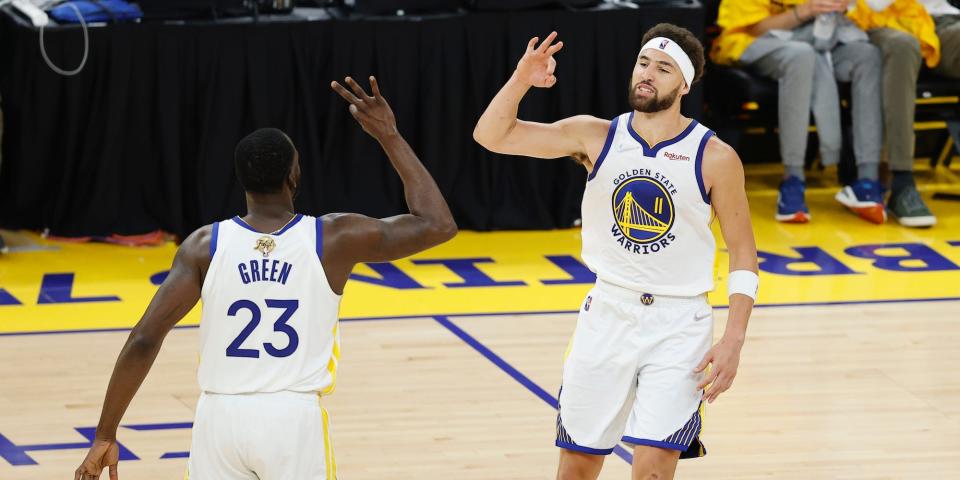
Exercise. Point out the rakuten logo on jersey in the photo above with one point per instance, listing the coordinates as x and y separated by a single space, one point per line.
675 156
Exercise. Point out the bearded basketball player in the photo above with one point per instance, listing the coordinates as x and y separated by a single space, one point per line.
271 284
640 363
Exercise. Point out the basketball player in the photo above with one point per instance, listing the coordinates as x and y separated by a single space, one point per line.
635 368
271 284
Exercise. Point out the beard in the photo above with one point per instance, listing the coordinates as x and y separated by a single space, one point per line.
653 104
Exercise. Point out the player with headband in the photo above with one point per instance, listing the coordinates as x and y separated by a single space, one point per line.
641 361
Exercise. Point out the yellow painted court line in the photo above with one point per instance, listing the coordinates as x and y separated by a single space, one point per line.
532 271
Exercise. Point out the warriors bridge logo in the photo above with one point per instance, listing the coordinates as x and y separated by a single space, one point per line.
643 214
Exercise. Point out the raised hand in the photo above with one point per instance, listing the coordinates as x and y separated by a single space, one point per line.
537 65
373 113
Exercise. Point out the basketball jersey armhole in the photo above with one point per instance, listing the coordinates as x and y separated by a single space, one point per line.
318 227
213 239
612 132
319 245
212 268
698 166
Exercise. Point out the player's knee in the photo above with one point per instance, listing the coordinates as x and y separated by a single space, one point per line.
572 474
578 466
652 472
654 464
650 476
578 472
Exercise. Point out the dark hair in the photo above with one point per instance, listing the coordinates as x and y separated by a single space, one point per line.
263 160
685 39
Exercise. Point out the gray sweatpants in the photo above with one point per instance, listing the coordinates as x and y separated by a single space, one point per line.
808 82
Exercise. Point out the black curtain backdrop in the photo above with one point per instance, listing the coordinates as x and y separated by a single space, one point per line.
142 139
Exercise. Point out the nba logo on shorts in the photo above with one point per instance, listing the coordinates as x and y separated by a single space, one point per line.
663 44
586 306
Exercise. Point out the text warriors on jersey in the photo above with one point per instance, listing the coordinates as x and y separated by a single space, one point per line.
643 211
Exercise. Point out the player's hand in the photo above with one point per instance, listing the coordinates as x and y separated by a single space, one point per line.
373 113
537 65
724 358
102 454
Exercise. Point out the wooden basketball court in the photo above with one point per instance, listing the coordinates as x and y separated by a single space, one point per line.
848 372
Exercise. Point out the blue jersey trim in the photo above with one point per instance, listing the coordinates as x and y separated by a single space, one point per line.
606 147
655 443
652 151
213 238
243 224
320 238
578 448
698 166
288 226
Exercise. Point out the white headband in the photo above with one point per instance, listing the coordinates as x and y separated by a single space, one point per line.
671 48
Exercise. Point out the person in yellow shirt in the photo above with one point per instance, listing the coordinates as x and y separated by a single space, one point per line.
807 45
905 34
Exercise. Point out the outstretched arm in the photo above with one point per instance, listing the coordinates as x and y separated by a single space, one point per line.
175 298
355 238
723 175
499 130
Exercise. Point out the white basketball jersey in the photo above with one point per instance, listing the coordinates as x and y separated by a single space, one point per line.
646 215
269 320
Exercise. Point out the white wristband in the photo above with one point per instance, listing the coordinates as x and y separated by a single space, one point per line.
743 282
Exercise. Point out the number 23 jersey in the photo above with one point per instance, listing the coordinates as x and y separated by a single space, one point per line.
270 319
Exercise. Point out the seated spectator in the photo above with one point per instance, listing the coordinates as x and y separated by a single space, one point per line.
946 19
778 39
905 34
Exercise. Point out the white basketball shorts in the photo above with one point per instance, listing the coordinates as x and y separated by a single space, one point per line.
265 436
628 372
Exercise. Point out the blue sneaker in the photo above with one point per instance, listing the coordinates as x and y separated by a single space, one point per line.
865 198
791 205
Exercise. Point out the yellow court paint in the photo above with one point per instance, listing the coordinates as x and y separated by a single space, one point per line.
94 286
